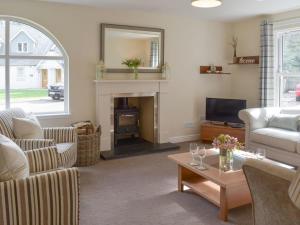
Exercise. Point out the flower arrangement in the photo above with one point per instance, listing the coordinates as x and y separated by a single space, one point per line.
226 142
134 65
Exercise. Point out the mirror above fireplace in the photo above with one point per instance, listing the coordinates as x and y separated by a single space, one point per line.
120 43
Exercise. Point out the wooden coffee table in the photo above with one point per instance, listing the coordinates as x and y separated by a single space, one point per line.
227 190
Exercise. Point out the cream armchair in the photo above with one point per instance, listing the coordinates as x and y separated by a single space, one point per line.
269 185
48 196
64 139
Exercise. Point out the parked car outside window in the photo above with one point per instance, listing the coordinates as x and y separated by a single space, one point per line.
56 91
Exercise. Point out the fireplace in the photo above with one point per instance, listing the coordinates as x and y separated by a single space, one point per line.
126 121
150 97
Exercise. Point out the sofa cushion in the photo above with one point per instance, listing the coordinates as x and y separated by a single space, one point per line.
13 162
27 128
275 137
284 121
63 147
67 154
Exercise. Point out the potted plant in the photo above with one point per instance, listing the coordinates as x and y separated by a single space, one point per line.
226 144
133 64
234 44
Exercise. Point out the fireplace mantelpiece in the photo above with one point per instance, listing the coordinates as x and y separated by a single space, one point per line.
106 90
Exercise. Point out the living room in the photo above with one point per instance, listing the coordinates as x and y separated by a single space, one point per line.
55 68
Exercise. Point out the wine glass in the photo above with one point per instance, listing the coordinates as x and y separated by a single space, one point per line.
193 151
202 155
260 153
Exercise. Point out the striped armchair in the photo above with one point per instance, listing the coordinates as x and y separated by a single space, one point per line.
48 196
64 139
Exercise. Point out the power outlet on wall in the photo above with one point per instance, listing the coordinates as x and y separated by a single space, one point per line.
190 124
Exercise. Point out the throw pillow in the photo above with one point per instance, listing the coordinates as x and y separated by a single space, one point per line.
13 162
27 128
284 121
294 190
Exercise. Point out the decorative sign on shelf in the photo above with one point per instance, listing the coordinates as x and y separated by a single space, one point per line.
248 60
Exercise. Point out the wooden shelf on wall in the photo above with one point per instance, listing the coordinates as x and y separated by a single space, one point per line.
246 60
207 70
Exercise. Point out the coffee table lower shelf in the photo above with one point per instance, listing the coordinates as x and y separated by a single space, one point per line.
224 197
205 188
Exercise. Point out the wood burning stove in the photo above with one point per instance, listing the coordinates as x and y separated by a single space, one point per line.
126 121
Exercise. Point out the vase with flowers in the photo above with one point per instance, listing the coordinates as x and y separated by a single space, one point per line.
134 65
226 144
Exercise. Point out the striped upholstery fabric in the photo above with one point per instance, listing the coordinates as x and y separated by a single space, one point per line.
66 139
42 159
29 144
294 190
267 65
67 158
61 134
44 199
6 116
53 136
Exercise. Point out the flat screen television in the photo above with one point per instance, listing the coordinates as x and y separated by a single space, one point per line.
224 110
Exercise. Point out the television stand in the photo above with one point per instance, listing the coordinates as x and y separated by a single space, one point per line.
218 123
236 125
210 130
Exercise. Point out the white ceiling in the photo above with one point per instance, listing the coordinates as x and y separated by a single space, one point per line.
229 11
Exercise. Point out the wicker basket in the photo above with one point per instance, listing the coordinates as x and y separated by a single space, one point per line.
88 149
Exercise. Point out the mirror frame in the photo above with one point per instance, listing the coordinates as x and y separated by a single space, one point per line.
103 27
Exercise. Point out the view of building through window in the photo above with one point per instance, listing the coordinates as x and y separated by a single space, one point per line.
288 68
35 67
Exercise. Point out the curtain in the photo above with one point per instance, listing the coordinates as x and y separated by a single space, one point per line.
267 65
154 57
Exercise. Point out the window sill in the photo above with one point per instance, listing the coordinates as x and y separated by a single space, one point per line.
53 116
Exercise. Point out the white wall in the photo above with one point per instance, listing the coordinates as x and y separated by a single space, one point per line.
189 43
246 78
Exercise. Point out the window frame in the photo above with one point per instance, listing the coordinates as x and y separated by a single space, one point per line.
279 74
7 56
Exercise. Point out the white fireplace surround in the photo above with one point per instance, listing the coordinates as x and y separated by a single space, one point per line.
107 90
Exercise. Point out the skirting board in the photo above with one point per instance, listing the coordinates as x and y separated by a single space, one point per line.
179 139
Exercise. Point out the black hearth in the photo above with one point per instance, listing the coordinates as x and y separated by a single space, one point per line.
126 121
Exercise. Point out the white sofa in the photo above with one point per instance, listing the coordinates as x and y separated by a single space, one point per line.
280 144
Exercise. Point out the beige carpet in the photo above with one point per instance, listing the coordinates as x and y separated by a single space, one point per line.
142 191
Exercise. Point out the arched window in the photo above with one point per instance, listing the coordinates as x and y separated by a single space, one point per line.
33 68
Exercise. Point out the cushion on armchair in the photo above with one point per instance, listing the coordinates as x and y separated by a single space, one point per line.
294 190
13 162
27 128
